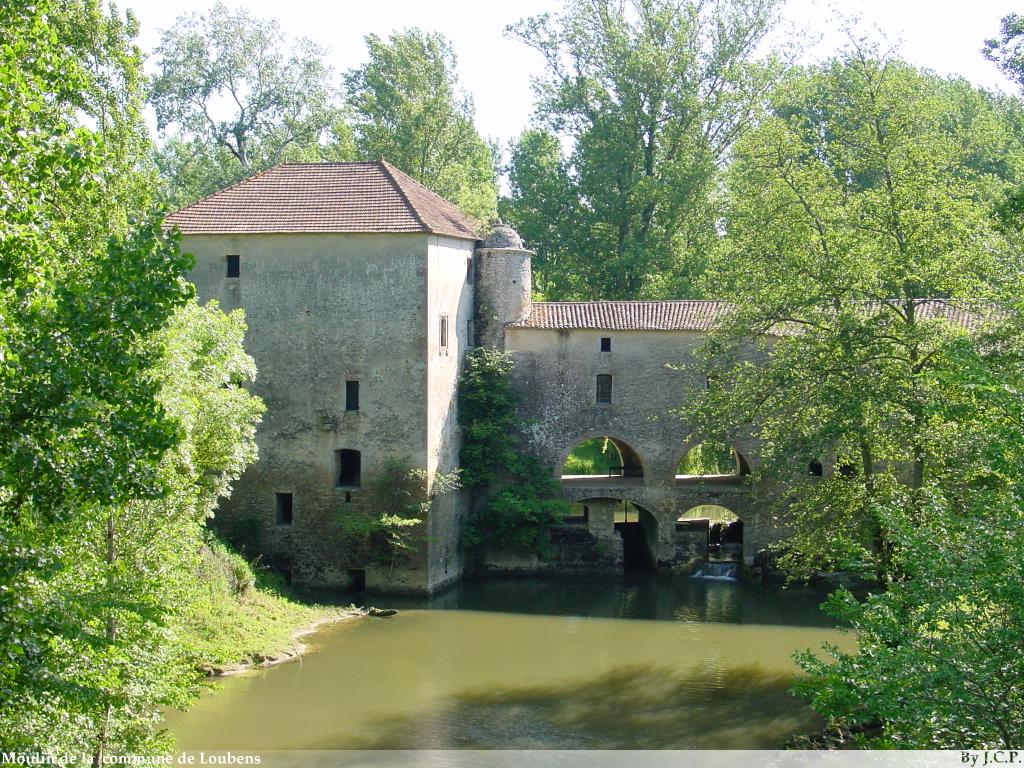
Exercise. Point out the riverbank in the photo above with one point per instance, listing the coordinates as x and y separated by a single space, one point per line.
244 617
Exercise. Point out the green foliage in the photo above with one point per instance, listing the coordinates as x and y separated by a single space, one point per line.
85 282
235 614
652 94
868 190
938 662
395 501
280 105
409 109
515 498
864 193
708 458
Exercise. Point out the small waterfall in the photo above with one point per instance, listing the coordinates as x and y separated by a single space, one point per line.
717 572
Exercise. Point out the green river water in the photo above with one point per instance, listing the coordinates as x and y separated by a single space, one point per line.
534 664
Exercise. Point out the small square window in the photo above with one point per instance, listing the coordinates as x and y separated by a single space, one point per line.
351 395
604 388
606 344
283 508
234 265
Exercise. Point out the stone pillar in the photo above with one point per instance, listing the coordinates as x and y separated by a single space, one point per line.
502 284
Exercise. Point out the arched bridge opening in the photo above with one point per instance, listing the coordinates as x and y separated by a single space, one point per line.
711 462
628 531
724 531
603 460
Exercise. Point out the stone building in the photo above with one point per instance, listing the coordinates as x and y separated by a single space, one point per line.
362 291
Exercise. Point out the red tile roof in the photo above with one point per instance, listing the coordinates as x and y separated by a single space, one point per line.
624 315
325 197
692 315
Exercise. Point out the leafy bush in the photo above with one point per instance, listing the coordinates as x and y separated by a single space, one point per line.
515 498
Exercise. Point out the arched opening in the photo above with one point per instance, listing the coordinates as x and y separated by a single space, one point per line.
602 457
725 531
711 462
639 531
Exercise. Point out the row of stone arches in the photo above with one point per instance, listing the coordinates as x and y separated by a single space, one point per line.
601 458
712 532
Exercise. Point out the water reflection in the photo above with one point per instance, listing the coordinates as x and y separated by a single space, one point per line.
630 707
645 597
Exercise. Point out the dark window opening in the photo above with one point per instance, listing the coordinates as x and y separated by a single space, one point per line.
351 395
348 497
606 344
815 469
283 508
357 578
604 388
846 470
234 267
444 334
348 464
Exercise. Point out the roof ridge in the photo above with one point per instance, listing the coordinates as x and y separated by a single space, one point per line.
388 169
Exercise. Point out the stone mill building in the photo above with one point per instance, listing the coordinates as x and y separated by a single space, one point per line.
363 291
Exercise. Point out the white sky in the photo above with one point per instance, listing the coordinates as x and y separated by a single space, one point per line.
943 35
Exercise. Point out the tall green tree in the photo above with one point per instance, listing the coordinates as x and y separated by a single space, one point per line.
240 98
875 300
651 95
116 656
84 282
408 108
106 474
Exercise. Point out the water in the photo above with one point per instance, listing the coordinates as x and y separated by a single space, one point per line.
531 664
719 571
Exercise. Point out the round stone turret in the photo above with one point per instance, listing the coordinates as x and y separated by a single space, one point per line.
503 236
503 284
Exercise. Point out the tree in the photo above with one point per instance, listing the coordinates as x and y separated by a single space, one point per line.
409 109
115 660
81 284
875 329
938 656
652 94
279 103
88 283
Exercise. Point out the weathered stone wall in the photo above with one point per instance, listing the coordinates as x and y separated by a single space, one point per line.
555 376
450 294
503 285
323 309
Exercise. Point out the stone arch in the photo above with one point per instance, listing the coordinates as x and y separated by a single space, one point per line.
726 532
632 525
631 458
743 465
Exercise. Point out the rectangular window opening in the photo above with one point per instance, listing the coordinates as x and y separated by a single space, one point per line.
351 395
233 264
283 508
604 388
606 344
347 466
444 334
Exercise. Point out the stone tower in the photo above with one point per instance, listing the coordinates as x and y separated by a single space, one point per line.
503 284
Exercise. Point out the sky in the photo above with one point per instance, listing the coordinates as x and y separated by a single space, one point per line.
943 35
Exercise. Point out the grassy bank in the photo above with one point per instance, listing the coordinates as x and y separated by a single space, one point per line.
241 616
